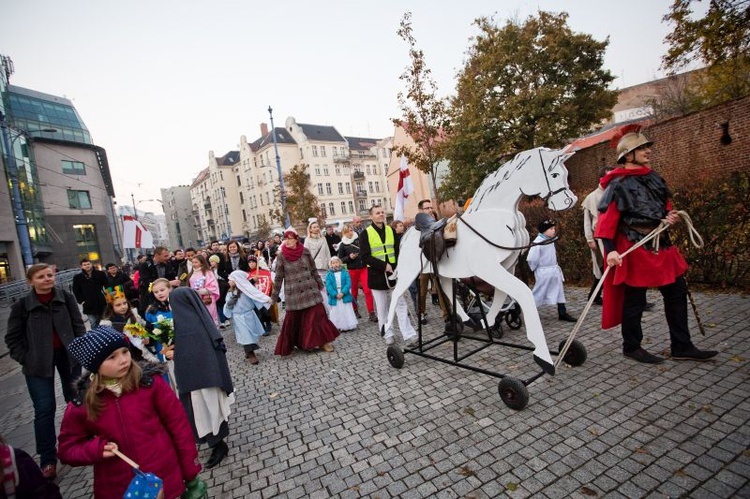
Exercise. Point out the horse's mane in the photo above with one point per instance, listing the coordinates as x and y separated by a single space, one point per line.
495 179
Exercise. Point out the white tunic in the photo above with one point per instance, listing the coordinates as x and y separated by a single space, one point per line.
542 259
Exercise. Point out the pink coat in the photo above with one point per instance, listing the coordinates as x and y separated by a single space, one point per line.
207 280
149 426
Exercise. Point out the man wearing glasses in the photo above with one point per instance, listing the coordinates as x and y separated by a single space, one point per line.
425 206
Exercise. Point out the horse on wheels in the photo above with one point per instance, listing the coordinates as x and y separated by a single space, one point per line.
490 236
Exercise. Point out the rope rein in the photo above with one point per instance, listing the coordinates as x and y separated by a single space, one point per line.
510 248
695 239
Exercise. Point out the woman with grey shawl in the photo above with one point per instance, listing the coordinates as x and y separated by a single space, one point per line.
202 372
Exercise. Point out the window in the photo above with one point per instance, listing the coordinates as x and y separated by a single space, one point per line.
341 187
335 151
328 188
377 186
86 243
244 216
79 200
343 207
362 205
317 170
238 180
320 189
268 197
323 209
242 198
369 186
315 151
337 170
323 151
351 207
367 169
348 188
330 207
325 171
375 170
73 168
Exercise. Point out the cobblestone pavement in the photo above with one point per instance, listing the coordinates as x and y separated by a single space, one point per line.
347 424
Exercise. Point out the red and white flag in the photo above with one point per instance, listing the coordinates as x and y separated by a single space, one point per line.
135 235
405 187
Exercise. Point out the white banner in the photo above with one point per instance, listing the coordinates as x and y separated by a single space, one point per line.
135 235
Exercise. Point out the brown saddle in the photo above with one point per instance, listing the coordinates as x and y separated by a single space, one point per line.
435 236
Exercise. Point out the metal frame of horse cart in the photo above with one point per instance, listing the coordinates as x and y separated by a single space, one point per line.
513 391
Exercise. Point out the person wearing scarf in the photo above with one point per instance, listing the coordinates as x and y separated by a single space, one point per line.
318 247
350 255
306 325
203 378
242 301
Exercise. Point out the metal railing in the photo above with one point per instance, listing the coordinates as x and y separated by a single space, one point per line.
12 291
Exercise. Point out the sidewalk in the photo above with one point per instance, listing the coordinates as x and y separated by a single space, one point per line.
347 424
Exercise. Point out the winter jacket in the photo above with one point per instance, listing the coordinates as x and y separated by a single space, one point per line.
89 291
302 283
332 288
345 252
148 425
30 331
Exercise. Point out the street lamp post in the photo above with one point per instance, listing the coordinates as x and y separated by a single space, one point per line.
19 213
278 169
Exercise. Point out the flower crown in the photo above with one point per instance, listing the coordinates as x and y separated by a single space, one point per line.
112 294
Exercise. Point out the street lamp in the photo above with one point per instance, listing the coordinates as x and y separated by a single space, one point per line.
19 213
278 169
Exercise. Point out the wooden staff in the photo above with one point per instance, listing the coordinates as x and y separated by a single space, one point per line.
695 309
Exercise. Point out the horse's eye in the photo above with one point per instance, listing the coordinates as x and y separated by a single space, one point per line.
555 175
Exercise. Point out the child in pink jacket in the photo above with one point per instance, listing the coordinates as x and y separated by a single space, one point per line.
123 407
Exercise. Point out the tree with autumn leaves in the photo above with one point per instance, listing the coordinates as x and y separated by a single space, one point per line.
719 42
525 84
301 203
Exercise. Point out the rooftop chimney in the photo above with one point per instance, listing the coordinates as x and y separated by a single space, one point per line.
263 129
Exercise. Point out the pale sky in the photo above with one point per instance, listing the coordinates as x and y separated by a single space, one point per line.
160 83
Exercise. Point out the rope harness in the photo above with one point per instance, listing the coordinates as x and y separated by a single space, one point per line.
695 239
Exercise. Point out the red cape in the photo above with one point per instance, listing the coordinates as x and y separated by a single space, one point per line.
641 268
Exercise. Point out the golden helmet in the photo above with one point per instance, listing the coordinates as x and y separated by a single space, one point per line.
629 143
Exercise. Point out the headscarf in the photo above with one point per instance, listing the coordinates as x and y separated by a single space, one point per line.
200 354
246 287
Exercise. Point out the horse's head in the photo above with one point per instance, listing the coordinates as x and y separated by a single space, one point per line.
555 191
537 172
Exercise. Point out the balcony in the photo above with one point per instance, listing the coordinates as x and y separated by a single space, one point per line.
358 175
209 221
341 159
360 194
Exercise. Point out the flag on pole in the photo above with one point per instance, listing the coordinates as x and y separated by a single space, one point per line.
135 235
405 187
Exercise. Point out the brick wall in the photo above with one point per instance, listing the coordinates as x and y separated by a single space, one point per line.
686 148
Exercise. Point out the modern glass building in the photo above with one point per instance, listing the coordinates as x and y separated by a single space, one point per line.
64 181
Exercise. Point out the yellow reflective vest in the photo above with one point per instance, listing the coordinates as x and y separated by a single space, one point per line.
379 249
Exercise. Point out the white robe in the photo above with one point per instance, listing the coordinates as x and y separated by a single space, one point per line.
542 259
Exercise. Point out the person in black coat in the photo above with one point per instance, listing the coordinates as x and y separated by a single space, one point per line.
41 325
88 288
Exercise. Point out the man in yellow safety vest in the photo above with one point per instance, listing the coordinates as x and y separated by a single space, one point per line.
379 246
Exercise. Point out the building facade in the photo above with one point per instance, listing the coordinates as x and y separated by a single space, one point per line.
178 214
62 202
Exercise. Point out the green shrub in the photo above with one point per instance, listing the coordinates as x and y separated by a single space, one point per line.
720 210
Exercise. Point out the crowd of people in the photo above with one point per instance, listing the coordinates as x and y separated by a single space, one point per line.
154 351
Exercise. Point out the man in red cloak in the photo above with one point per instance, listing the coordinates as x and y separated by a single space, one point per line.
635 200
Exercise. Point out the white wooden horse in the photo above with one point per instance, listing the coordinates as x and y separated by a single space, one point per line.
493 220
